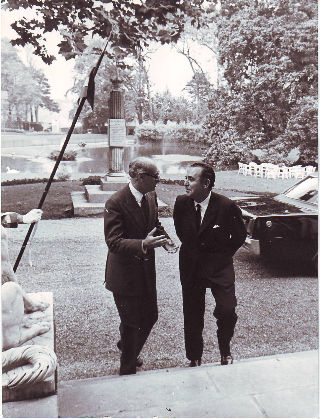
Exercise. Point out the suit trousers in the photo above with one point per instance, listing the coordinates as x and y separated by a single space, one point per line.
193 311
138 314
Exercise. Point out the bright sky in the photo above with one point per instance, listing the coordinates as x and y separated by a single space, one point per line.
168 69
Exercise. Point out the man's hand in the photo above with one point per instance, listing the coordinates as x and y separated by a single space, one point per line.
32 216
151 241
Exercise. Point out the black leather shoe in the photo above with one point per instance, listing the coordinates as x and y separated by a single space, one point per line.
195 363
225 360
139 362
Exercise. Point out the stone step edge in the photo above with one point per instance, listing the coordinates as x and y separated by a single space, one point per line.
79 200
79 196
186 368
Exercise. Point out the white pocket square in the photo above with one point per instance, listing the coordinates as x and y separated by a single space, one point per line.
216 226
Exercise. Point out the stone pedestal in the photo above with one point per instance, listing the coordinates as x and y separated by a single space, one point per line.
92 201
116 162
116 131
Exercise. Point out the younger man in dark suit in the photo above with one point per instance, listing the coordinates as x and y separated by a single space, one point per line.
130 228
211 230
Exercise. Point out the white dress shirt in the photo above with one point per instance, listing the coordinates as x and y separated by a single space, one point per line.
138 195
204 205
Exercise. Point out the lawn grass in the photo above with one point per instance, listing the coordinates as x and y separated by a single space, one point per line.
22 198
58 203
277 305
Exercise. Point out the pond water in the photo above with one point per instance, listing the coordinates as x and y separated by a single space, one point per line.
21 159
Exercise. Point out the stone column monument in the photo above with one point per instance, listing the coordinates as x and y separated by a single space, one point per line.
93 200
116 176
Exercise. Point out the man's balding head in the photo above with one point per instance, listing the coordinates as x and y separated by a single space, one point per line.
144 174
140 165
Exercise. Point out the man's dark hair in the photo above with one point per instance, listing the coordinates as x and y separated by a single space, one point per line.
207 172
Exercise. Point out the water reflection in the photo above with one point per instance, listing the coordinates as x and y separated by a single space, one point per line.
92 160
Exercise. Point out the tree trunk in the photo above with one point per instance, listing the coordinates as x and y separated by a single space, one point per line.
31 114
139 113
266 129
151 108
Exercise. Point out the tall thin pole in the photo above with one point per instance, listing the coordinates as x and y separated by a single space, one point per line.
85 95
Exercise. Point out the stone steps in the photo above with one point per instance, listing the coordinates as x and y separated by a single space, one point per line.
284 385
93 199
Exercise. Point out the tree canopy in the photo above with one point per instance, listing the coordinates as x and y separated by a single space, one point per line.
141 102
268 52
265 95
27 87
131 24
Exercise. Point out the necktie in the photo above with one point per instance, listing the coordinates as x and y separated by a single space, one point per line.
198 212
145 208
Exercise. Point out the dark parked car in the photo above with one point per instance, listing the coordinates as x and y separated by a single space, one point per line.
286 225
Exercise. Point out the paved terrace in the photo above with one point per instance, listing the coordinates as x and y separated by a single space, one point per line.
281 386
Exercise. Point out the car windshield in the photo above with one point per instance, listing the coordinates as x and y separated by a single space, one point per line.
306 191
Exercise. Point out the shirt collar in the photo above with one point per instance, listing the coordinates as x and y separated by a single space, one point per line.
204 204
138 195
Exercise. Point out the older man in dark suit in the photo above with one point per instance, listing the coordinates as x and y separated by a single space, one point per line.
211 230
131 228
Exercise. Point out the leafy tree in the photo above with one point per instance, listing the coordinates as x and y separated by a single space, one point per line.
14 79
132 24
41 94
200 91
139 88
268 50
205 36
27 87
140 102
134 82
170 108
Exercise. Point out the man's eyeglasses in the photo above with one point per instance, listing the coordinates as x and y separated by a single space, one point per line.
156 177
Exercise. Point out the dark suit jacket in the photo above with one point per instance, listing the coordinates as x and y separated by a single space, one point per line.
128 270
207 254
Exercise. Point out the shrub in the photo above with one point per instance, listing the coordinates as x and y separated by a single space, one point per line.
27 181
147 132
225 153
36 126
91 180
184 133
63 177
5 129
67 156
172 181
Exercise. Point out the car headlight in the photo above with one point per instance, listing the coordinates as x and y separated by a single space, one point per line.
269 223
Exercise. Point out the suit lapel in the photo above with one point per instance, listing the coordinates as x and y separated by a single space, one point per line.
134 209
210 214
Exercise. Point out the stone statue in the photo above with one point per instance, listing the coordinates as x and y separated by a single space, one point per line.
27 365
21 365
15 302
